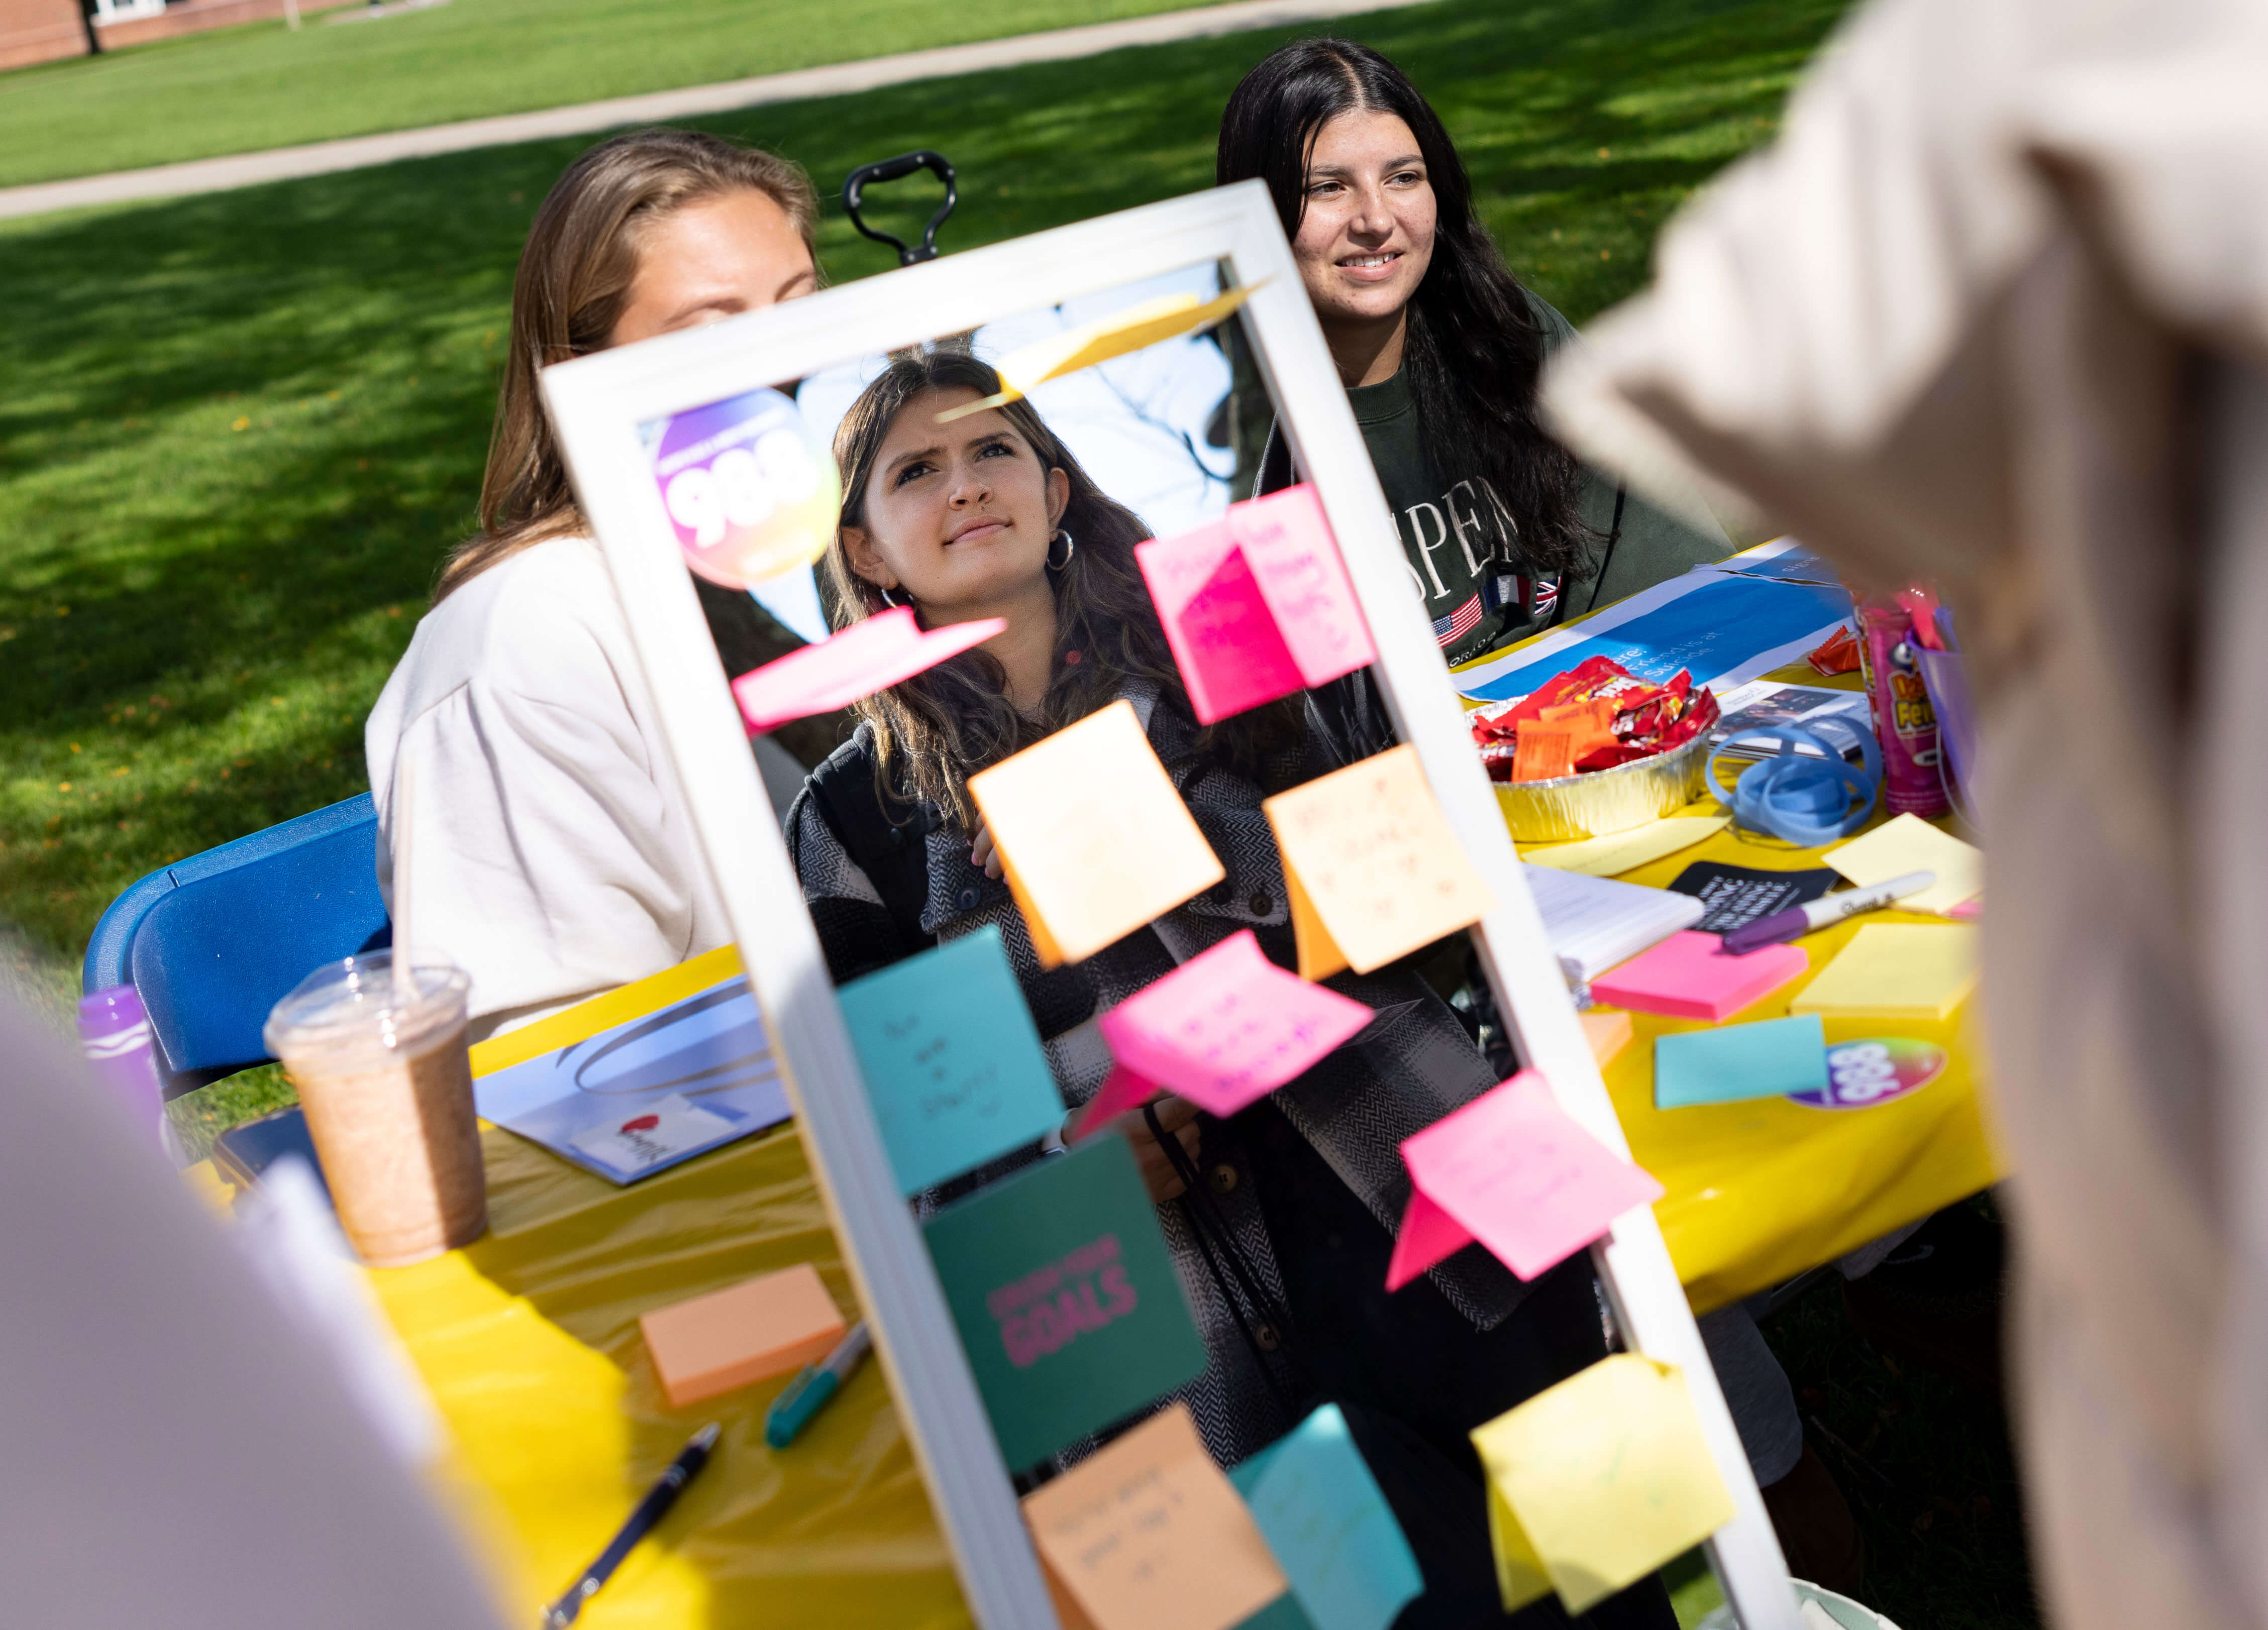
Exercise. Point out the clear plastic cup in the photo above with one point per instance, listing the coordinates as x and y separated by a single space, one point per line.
387 1089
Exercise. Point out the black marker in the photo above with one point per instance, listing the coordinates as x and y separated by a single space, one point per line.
640 1522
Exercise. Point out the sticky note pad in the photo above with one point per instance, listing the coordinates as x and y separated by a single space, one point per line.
1608 1033
1147 1531
1095 841
1619 852
952 1062
1065 1298
1371 866
1912 844
1768 1059
1321 1513
1228 1026
1597 1481
1257 605
868 657
1691 975
1512 1171
768 1325
1910 971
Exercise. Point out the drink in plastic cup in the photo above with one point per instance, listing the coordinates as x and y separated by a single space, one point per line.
387 1089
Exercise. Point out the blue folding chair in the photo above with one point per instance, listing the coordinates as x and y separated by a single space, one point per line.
213 942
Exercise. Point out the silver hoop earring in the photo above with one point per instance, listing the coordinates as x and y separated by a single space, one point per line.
1071 548
887 600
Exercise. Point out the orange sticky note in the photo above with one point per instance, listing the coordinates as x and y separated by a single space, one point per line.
1095 841
1372 870
1148 1532
1544 752
1608 1033
766 1326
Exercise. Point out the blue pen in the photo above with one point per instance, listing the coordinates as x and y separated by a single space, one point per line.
640 1522
807 1394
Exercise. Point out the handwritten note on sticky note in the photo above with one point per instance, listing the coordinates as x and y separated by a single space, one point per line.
1257 605
1691 975
1604 1477
863 659
1912 844
1147 1531
1095 841
1228 1026
1898 971
1769 1059
952 1062
1370 868
1512 1171
1322 1514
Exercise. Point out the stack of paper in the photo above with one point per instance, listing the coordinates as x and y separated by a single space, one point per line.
1593 923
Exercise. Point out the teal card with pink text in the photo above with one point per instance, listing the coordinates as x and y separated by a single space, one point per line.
1065 1298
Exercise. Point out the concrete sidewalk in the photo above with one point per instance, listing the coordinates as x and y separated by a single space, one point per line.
213 175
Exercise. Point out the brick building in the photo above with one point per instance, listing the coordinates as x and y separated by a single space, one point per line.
41 31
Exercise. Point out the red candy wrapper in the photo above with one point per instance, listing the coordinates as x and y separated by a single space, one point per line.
1647 718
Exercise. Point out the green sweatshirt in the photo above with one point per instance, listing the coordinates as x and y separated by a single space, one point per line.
1459 540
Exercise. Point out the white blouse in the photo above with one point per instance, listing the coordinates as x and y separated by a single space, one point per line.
552 853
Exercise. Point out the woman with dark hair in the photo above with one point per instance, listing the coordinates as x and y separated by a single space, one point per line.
555 854
1280 1218
1505 533
1439 347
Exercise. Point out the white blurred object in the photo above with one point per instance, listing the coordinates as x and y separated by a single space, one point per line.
1993 311
285 1229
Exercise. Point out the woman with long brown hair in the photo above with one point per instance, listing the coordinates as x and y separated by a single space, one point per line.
1280 1218
553 855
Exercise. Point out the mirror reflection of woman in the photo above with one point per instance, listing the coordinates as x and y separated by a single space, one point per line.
1280 1218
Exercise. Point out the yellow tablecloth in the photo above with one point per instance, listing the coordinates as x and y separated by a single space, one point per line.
529 1342
1761 1191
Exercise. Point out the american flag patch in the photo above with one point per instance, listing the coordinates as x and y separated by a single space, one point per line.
1458 623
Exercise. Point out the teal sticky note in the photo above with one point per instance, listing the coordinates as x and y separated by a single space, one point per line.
1065 1298
1334 1535
952 1062
1767 1060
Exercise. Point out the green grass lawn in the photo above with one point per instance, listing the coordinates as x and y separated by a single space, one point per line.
238 90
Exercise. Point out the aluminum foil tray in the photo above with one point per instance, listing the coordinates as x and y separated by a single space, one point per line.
1567 807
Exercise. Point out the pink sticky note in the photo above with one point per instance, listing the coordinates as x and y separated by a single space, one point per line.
1122 1090
1691 975
1296 562
1511 1170
865 657
1257 605
1228 1026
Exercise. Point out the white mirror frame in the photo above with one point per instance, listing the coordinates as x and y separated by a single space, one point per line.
596 404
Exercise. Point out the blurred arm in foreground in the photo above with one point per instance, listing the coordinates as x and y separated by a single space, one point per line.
172 1451
1994 310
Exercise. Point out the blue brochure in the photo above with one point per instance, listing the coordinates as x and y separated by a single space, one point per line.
952 1062
1733 1062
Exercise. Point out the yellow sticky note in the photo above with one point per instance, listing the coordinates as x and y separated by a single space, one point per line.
1625 851
1148 1532
1896 971
1596 1482
1912 844
1371 869
1093 838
